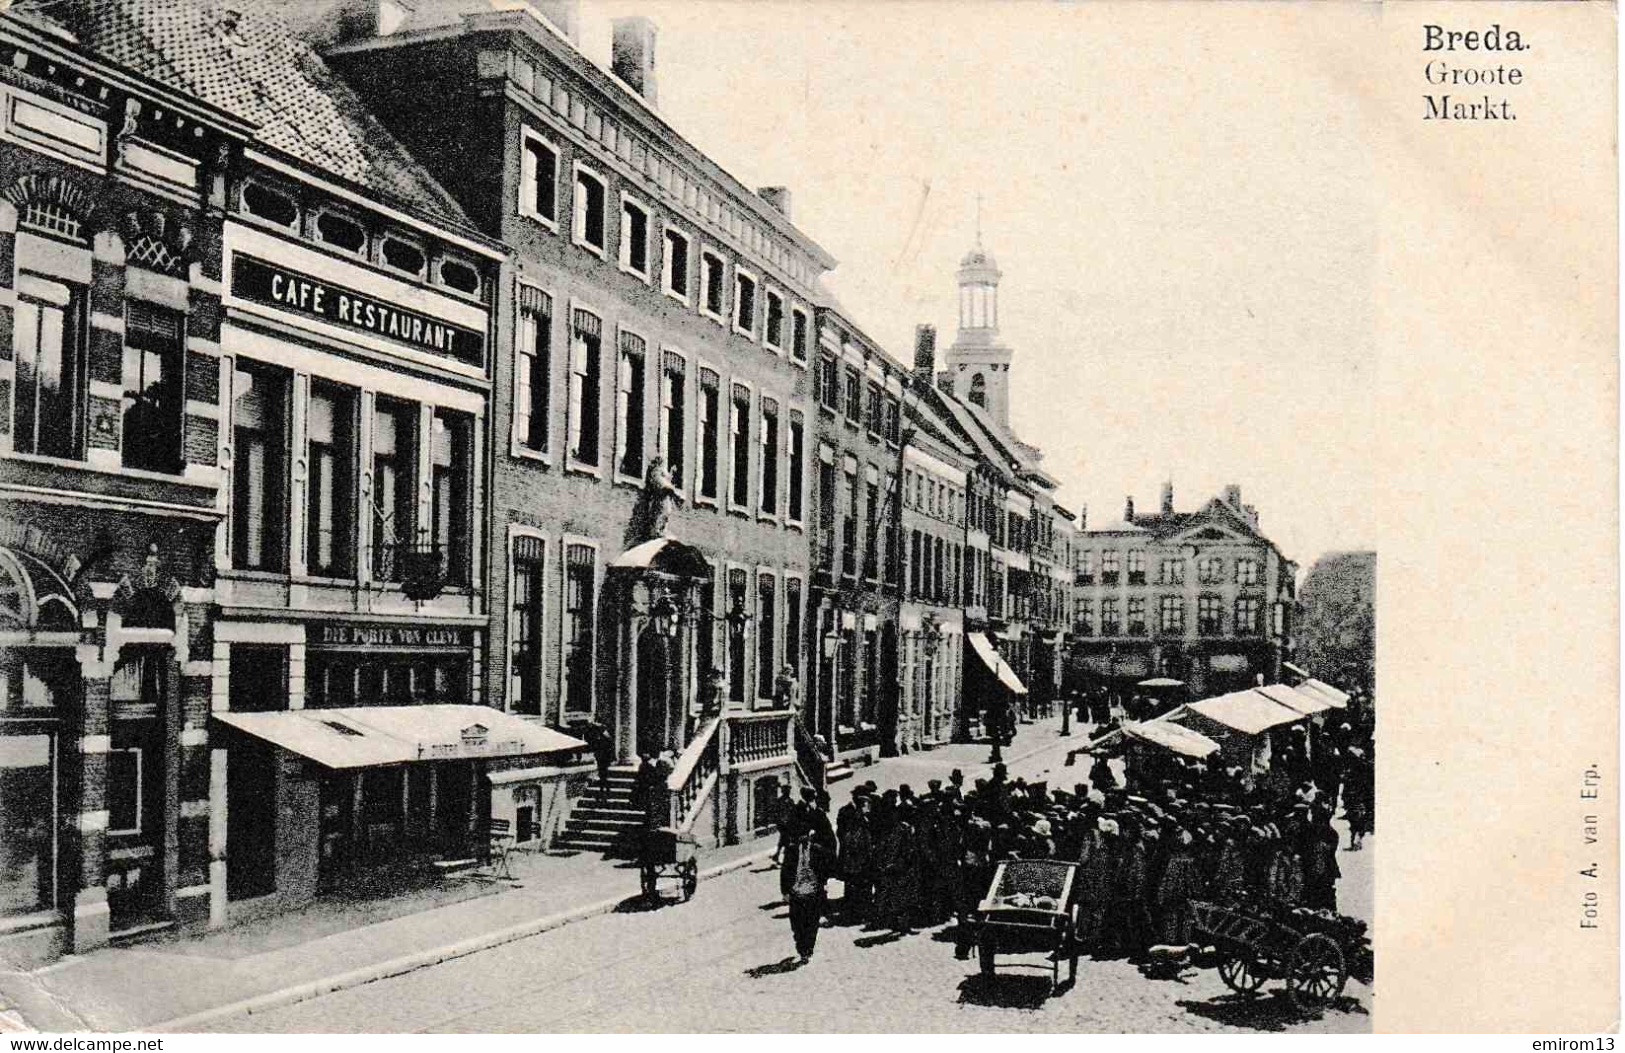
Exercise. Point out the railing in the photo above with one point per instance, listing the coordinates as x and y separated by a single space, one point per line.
694 775
758 736
810 758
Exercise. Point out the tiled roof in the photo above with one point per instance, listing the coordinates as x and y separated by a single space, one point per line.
242 57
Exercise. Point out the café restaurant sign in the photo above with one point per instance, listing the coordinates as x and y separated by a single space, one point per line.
389 637
257 281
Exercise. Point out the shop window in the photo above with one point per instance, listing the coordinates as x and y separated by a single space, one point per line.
258 681
330 523
580 606
629 405
673 423
769 453
452 461
271 205
394 487
402 255
49 344
710 425
28 822
585 365
532 369
527 590
340 231
259 422
739 448
124 797
797 467
766 634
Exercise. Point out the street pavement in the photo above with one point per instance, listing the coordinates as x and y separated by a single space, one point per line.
724 962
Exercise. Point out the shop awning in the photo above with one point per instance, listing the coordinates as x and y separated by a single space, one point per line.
1337 699
995 664
1304 702
1170 736
1245 711
369 736
664 554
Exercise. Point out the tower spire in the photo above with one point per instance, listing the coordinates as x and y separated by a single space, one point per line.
978 219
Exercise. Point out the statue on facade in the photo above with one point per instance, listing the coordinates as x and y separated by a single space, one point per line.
659 494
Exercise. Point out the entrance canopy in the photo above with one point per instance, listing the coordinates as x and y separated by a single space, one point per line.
1171 736
996 664
369 736
666 555
1245 711
1302 701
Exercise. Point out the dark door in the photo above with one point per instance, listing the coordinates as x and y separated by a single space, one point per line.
333 831
250 819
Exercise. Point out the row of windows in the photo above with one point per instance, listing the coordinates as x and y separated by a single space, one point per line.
770 637
859 501
1247 614
1209 569
397 461
765 445
750 307
933 497
843 392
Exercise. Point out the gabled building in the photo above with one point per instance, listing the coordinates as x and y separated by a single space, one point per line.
1204 597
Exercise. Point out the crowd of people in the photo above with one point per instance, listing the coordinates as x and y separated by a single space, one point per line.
1150 833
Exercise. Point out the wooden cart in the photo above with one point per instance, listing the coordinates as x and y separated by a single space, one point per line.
1031 908
666 853
1309 953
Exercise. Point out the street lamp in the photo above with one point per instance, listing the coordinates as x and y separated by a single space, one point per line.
664 616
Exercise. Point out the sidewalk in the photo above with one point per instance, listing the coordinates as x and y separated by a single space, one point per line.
337 943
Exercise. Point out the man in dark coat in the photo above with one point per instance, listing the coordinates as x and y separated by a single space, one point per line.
809 858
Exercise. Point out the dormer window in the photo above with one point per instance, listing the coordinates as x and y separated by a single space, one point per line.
459 275
340 231
270 205
400 255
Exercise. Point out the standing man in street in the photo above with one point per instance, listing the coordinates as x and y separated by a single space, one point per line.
808 859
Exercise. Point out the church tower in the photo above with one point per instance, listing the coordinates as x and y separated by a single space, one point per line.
978 363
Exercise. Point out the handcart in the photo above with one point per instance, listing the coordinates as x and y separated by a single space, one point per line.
671 854
1031 907
1314 952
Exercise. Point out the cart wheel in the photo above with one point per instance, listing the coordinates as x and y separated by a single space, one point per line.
691 879
1241 974
985 950
649 876
1316 973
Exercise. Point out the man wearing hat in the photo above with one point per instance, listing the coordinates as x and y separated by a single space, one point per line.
809 859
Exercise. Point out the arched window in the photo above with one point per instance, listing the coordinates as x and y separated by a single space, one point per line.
978 390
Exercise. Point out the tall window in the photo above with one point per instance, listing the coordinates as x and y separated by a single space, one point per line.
1086 567
527 590
1136 616
739 483
1210 615
634 238
580 608
673 424
712 292
849 525
792 624
1109 623
914 564
1246 615
1108 568
48 341
629 402
589 211
674 271
877 409
871 530
394 487
1172 614
978 390
744 303
1210 570
826 510
770 457
539 179
154 378
710 432
452 451
1172 572
533 368
766 634
829 385
259 419
894 553
798 452
737 601
798 334
854 396
1136 566
586 341
1086 619
330 460
894 421
773 321
1246 572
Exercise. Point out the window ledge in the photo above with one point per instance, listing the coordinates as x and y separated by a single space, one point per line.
706 312
681 298
768 517
704 501
748 334
577 468
596 250
629 481
799 363
739 510
642 276
777 349
525 453
538 218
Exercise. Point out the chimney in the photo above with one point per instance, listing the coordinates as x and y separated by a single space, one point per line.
632 56
1252 515
945 382
1232 496
925 351
1168 498
562 15
1128 509
1083 518
777 196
